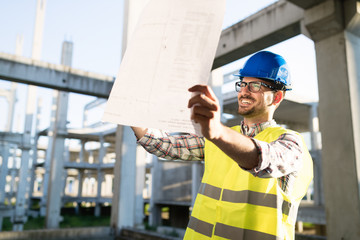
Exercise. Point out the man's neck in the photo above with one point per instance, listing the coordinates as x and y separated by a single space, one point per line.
254 129
252 121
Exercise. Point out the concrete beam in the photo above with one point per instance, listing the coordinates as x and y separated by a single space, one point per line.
67 198
352 16
84 165
25 70
305 4
16 138
324 20
6 211
276 23
86 134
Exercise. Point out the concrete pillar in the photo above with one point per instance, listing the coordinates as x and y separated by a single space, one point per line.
35 151
338 66
19 217
338 136
79 189
13 174
123 202
82 151
196 170
58 148
80 181
11 109
4 153
36 54
66 53
39 29
65 182
100 176
49 153
155 193
316 152
57 164
10 97
140 182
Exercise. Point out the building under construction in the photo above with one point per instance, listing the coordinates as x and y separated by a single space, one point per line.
100 166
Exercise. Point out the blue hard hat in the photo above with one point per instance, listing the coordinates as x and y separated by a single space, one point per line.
267 66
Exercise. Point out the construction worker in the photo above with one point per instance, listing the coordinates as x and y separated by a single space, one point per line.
255 173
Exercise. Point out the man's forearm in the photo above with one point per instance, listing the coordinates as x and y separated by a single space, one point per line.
187 147
239 147
139 132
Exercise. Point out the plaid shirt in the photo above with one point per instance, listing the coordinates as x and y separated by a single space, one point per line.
279 159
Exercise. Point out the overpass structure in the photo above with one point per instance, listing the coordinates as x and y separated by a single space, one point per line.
60 77
334 27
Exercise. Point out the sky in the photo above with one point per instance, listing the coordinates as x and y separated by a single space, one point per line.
95 28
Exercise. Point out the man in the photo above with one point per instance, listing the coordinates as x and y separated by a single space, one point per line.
255 174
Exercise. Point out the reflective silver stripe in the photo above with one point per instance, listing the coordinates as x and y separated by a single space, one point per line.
227 231
200 226
210 191
256 198
247 196
286 206
290 210
230 232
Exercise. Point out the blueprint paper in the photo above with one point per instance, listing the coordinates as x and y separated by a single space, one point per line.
172 48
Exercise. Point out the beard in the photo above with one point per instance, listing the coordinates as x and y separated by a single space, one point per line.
247 112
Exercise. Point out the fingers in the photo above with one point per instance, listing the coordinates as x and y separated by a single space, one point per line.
205 110
205 90
202 111
206 97
204 101
204 105
203 121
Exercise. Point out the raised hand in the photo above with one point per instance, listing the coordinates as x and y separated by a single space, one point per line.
206 111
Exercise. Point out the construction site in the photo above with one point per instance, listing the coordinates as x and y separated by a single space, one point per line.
99 170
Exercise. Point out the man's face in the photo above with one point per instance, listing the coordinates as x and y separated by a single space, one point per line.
254 104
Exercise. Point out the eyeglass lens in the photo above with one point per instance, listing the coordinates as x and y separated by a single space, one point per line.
253 86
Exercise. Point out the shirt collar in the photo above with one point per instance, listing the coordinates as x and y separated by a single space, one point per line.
254 129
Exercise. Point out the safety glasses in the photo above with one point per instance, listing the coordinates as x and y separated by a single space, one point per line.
254 87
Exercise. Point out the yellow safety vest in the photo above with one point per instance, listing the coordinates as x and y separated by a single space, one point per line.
233 204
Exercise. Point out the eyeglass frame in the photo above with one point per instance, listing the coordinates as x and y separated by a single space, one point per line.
238 87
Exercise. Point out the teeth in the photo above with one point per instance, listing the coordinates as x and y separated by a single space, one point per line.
246 101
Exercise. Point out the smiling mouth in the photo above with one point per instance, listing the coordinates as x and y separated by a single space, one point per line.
245 101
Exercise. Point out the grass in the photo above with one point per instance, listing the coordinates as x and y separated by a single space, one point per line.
84 221
69 221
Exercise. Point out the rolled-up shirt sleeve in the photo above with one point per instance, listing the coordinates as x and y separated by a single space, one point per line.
280 157
188 147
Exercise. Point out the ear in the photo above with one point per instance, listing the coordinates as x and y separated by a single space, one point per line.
278 97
